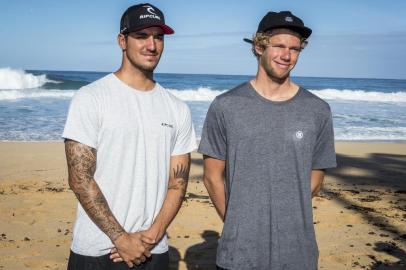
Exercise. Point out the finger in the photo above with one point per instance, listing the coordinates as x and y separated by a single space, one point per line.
140 260
118 260
115 256
130 264
147 240
147 253
113 250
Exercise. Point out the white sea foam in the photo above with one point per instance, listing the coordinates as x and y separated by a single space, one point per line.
358 133
201 94
207 94
360 95
19 79
21 94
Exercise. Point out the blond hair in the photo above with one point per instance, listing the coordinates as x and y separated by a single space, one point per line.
261 39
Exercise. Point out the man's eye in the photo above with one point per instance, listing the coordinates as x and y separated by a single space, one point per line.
159 37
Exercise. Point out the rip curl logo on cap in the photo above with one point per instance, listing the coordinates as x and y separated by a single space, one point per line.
299 134
289 19
150 10
151 15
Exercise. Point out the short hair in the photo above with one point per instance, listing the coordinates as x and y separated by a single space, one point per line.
261 39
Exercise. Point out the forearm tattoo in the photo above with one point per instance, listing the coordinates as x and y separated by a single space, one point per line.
81 161
179 176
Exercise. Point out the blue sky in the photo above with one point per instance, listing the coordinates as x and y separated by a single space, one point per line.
363 38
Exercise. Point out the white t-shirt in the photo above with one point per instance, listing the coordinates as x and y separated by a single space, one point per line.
135 133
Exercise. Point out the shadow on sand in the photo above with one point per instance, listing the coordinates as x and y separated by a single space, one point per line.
203 255
174 258
383 178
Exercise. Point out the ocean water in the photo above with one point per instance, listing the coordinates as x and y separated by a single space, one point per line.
34 104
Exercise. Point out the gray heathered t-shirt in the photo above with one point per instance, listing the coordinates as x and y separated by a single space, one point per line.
270 149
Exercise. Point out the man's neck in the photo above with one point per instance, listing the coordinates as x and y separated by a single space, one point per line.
274 90
136 79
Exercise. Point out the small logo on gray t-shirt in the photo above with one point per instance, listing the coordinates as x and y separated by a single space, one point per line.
299 134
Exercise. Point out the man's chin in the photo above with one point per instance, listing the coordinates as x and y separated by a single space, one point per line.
145 66
280 77
148 68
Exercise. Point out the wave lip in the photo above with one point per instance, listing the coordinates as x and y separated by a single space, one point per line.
18 79
360 95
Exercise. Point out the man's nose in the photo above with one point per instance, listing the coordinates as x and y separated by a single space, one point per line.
285 54
151 43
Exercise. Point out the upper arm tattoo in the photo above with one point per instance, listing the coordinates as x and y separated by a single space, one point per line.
81 161
181 171
179 174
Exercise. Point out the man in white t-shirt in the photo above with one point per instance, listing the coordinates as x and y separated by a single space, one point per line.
128 144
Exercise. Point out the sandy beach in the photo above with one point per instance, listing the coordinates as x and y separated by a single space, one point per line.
359 217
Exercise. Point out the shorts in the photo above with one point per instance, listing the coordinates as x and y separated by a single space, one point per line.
81 262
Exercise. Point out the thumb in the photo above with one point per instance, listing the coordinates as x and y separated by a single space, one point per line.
147 239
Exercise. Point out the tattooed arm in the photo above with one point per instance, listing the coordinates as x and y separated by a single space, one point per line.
81 161
178 180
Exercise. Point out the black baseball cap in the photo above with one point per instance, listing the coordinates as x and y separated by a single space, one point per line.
142 16
283 19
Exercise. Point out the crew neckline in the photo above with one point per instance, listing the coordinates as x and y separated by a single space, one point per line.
135 90
256 94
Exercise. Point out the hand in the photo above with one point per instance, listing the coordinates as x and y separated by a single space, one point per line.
152 234
131 248
149 234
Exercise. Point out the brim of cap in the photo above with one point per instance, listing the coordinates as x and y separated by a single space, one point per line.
167 30
303 31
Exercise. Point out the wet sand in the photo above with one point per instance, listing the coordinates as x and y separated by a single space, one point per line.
359 217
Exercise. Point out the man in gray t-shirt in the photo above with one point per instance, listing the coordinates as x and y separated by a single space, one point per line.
272 140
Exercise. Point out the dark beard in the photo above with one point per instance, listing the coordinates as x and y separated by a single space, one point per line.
147 70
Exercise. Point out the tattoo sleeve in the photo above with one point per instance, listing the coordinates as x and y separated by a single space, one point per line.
81 161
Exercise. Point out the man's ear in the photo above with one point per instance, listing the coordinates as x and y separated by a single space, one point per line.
122 41
258 49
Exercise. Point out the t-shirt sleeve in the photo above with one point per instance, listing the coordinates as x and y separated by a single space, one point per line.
82 121
213 141
186 137
324 155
